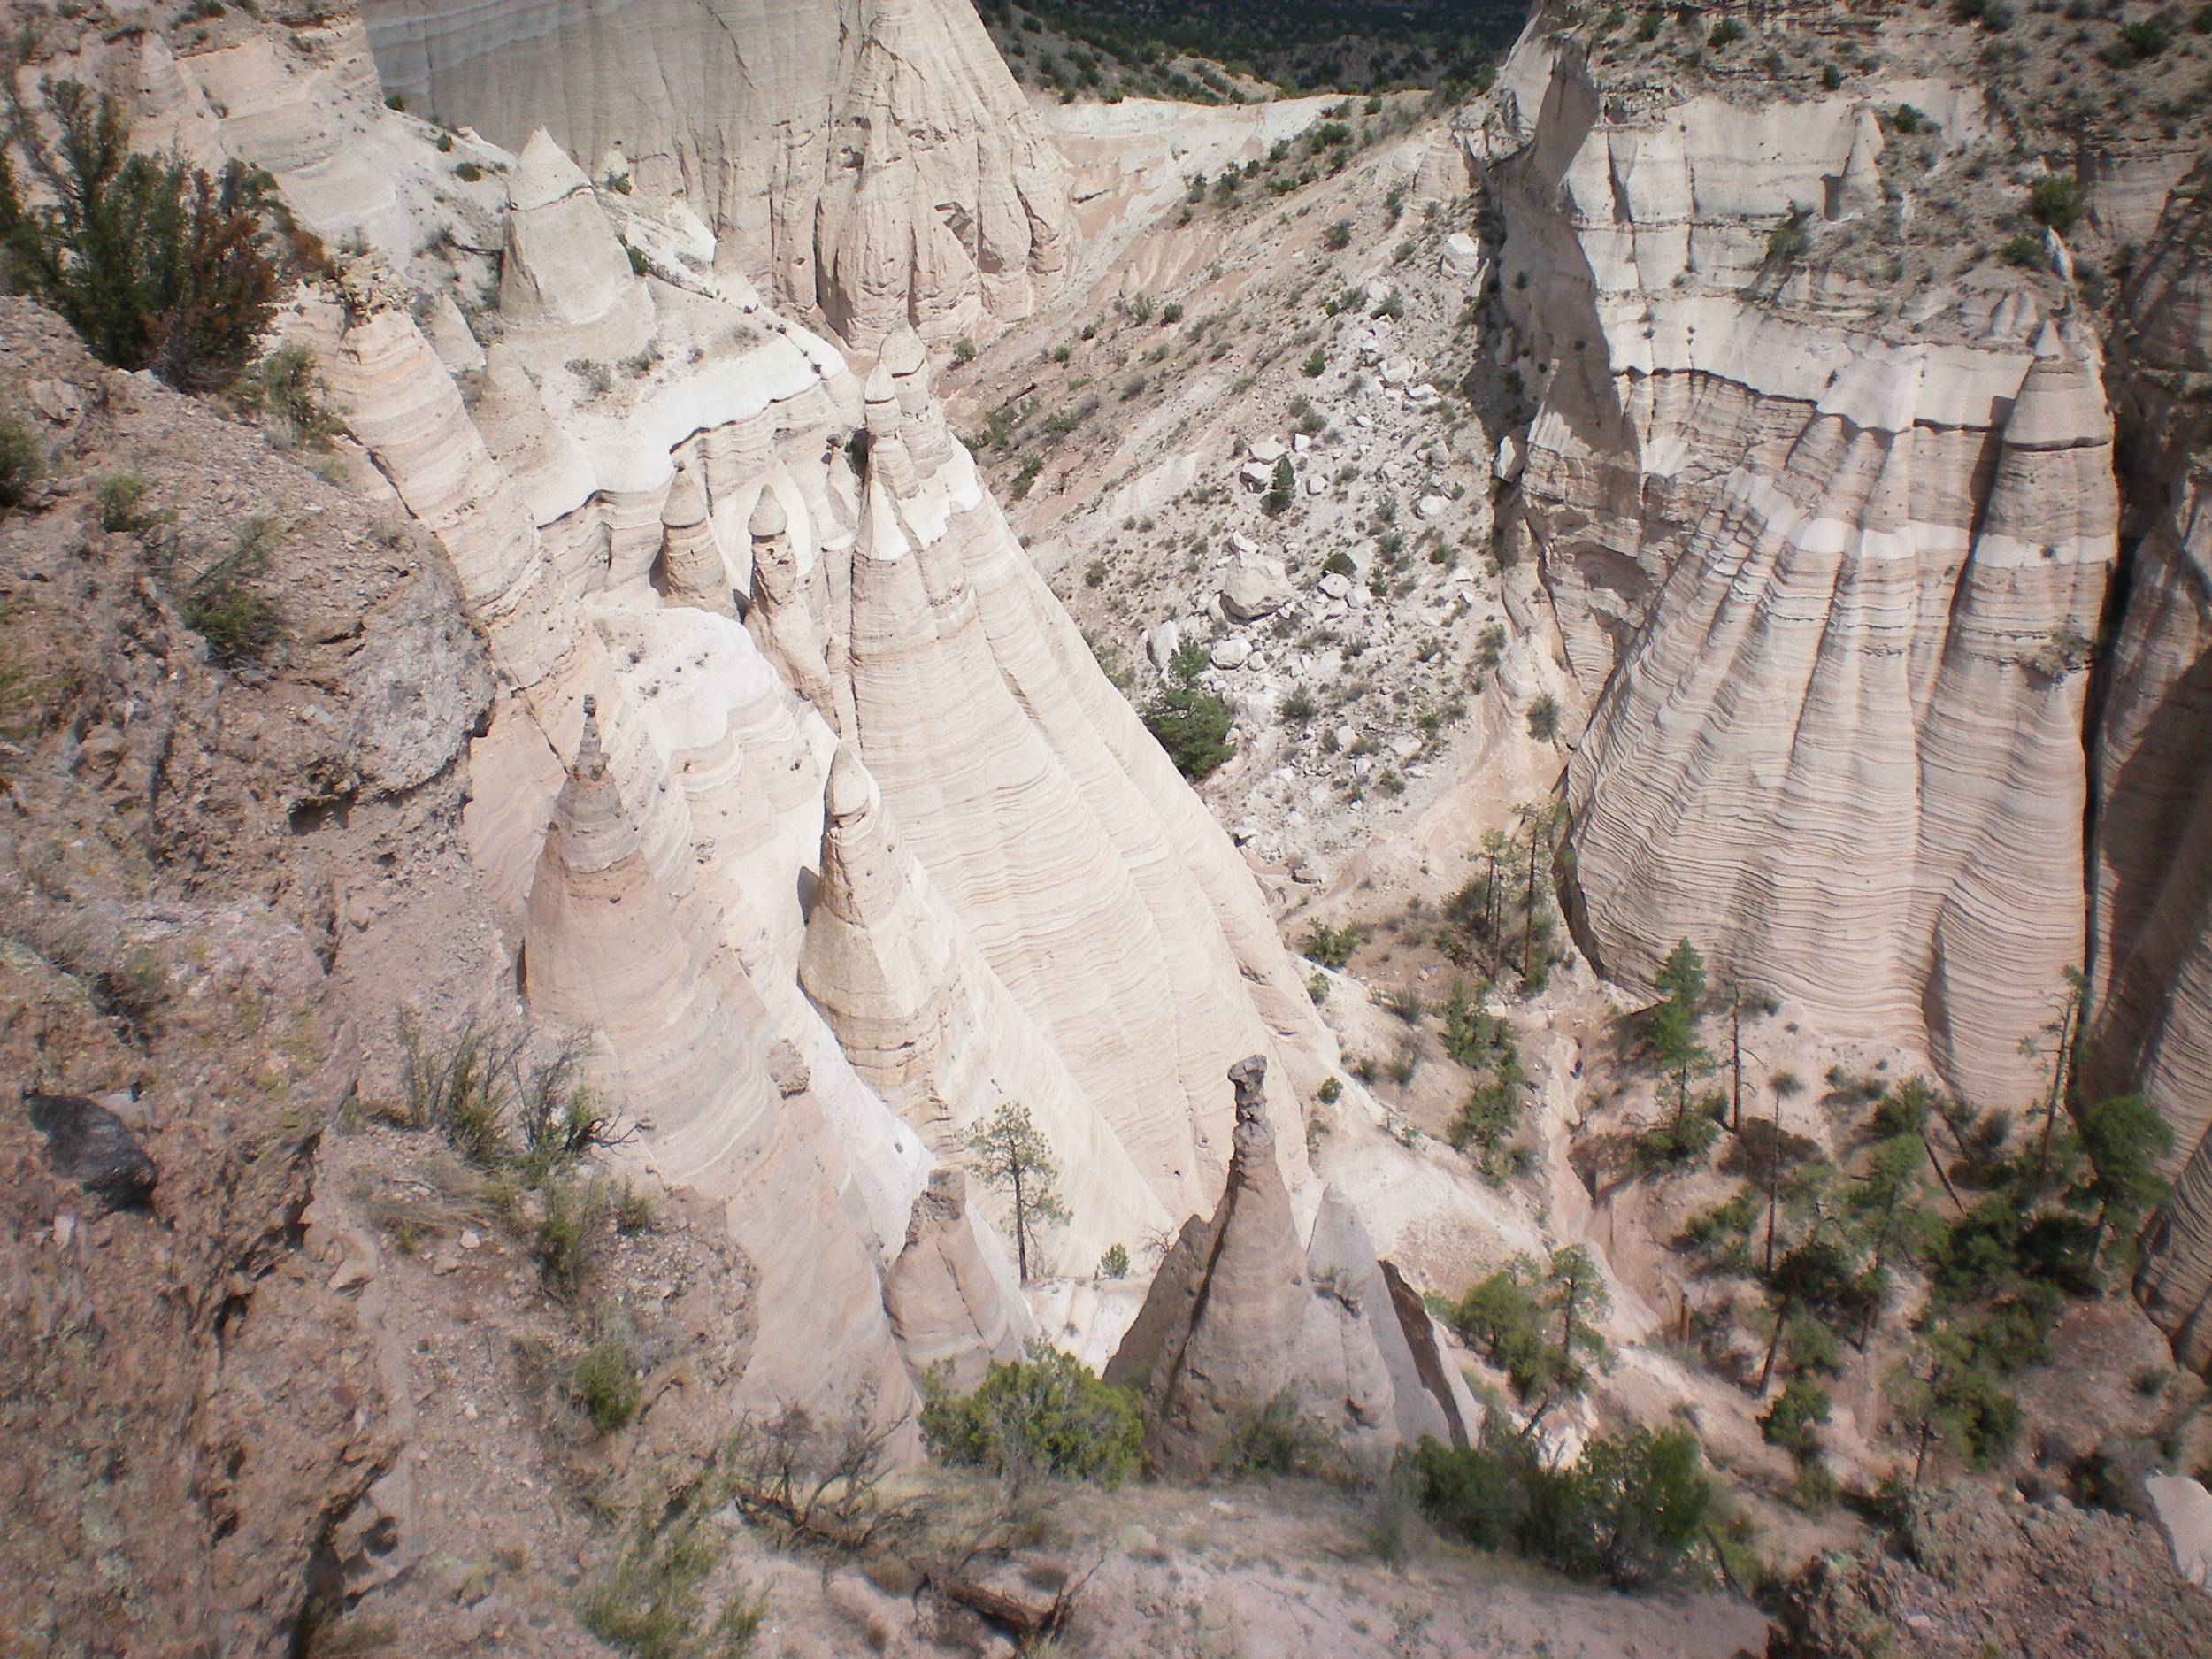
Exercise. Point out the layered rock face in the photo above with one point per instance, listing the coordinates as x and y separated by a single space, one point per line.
1240 1314
872 158
1823 580
799 800
2151 987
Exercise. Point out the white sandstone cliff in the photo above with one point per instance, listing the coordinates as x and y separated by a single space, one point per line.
1805 565
870 158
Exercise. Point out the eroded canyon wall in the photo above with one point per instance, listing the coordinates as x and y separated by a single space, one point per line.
870 158
1814 564
1880 565
799 798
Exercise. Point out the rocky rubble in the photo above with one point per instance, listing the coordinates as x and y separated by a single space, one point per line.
1974 1574
204 898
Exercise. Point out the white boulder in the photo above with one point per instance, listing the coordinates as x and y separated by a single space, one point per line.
1509 459
2183 1510
1255 588
1160 643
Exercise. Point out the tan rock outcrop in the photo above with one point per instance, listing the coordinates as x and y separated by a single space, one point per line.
692 570
604 951
786 620
876 962
1095 886
1239 1315
920 977
951 1294
872 158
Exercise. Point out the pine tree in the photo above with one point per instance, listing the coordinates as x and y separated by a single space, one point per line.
1013 1158
1674 1042
2125 1139
1190 722
1578 1297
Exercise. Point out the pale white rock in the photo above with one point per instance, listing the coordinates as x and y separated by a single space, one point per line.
563 269
1231 652
1317 485
1336 585
1431 507
822 887
1255 588
2151 959
951 1294
1858 187
692 569
1239 1313
1461 257
2182 1511
1509 459
1398 371
1160 642
609 952
1442 174
1254 477
1268 450
876 161
1040 811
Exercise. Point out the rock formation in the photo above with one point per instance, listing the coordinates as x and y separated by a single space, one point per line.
951 1294
1093 835
2151 984
562 271
1239 1315
870 158
1836 730
787 621
827 886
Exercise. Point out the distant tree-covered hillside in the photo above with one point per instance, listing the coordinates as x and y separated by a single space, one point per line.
1218 51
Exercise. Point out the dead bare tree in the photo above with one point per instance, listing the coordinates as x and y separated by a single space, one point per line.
826 1487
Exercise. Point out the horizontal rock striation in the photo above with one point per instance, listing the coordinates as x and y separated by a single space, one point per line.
1825 584
870 158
